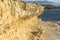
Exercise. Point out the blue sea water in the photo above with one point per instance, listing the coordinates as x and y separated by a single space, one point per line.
50 15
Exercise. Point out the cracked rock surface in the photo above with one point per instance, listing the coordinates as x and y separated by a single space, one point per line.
19 20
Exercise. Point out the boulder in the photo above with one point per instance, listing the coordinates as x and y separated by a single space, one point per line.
19 20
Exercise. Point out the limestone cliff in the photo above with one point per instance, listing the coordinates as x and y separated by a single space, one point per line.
19 20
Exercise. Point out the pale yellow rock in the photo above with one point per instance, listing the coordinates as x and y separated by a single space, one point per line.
51 30
19 20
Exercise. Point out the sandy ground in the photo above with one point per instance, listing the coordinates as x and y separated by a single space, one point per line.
51 30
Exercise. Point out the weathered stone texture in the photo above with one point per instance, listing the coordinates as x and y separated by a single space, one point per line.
19 20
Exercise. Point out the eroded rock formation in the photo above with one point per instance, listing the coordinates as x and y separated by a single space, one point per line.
19 20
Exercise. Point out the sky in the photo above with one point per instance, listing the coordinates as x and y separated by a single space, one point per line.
56 1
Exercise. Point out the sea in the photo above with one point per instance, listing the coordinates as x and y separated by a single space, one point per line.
50 15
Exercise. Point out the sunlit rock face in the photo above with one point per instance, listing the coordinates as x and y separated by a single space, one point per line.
19 20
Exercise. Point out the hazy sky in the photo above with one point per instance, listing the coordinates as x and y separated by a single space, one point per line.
57 1
33 0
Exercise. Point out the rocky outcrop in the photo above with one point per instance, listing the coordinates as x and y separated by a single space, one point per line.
51 30
19 20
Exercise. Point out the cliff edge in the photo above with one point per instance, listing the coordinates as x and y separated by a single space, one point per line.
19 20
